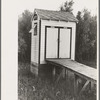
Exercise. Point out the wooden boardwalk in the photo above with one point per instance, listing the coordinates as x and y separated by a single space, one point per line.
79 70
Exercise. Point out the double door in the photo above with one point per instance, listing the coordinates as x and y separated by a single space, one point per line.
58 42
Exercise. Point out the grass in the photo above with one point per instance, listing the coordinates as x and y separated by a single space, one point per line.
31 87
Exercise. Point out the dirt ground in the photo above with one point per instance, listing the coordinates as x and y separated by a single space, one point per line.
31 87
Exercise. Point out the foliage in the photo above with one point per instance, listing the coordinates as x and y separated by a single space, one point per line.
67 6
24 38
31 87
86 31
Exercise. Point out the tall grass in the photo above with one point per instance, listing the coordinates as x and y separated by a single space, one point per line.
31 87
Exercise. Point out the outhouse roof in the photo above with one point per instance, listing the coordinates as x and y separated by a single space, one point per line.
55 15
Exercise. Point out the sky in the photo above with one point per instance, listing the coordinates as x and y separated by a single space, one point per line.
78 5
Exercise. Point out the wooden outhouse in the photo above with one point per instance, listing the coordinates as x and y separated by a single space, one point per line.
52 36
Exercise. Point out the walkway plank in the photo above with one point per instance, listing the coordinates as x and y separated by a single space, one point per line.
82 70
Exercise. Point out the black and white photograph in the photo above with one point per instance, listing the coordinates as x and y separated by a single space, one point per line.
56 50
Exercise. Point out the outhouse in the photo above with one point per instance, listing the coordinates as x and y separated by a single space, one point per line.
52 36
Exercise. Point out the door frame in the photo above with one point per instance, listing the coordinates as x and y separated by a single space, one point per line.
58 40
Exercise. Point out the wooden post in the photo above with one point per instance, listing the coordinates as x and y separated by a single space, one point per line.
92 85
67 77
75 87
54 73
64 72
67 74
60 75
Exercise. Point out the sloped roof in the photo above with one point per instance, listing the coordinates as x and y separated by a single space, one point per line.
55 15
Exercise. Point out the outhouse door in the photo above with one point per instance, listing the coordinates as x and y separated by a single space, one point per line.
64 47
51 43
58 42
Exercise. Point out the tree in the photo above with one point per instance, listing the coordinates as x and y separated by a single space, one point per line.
86 30
67 6
79 31
24 38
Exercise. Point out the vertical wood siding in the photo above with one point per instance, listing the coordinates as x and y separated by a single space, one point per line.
35 45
